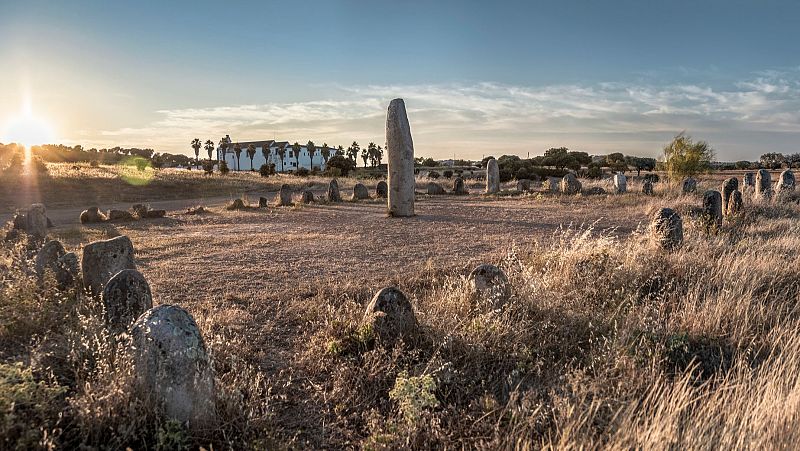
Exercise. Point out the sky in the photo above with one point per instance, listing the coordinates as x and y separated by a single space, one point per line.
478 78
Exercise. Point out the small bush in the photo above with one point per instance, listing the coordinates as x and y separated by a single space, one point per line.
264 170
448 174
94 163
208 166
433 175
223 167
302 172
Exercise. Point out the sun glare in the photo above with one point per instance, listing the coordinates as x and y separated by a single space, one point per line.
28 130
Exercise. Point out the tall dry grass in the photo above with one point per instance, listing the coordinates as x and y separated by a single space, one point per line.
607 342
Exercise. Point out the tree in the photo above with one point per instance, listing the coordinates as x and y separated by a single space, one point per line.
251 152
312 149
340 151
345 165
223 146
353 151
265 153
559 157
196 144
742 164
237 150
209 148
326 152
365 156
772 160
282 154
640 164
616 162
296 150
379 154
684 157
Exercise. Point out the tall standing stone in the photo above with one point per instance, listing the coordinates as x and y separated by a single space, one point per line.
333 191
103 259
36 221
48 258
284 198
763 184
492 177
647 187
728 187
712 210
749 182
667 229
400 151
126 296
735 204
172 365
620 183
785 181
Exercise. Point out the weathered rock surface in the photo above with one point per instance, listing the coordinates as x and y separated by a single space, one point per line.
492 177
284 197
400 152
689 185
172 365
92 215
620 183
102 259
749 182
523 185
553 184
69 270
390 314
47 259
435 189
382 190
785 181
712 210
595 190
667 229
735 204
120 215
237 204
728 187
263 202
308 197
36 221
360 192
647 187
126 296
763 184
459 187
333 191
489 285
570 184
140 210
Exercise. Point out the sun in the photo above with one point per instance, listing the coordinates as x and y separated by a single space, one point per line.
28 130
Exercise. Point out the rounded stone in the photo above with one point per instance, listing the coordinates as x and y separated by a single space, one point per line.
712 210
435 189
308 197
263 202
36 221
553 184
382 190
570 184
140 210
523 185
735 204
595 190
172 365
237 204
666 229
689 185
785 182
154 214
459 187
69 270
390 314
120 215
92 215
620 183
489 285
492 177
647 187
125 297
728 187
360 192
333 191
749 181
284 197
47 259
103 259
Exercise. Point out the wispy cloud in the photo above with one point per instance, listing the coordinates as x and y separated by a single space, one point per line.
492 118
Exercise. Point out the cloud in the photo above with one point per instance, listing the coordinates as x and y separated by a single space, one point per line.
493 118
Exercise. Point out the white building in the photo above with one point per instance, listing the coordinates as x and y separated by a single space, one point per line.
291 161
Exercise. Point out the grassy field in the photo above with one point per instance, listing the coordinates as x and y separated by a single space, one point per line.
607 341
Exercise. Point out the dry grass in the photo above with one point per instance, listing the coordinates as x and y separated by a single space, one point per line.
607 341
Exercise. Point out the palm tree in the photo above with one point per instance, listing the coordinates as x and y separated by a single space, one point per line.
209 148
379 154
312 149
326 152
296 149
237 150
251 152
372 151
340 151
196 144
265 152
281 153
353 150
223 145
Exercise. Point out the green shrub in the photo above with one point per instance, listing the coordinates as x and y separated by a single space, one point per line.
29 409
433 175
208 166
223 167
448 174
94 163
414 395
345 165
302 172
265 170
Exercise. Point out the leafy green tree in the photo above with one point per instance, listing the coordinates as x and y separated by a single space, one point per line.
616 162
772 160
196 144
742 164
683 157
640 164
559 157
345 165
251 153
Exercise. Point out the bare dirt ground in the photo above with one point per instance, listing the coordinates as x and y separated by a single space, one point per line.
289 250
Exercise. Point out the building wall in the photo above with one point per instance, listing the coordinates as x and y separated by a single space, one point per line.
290 163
